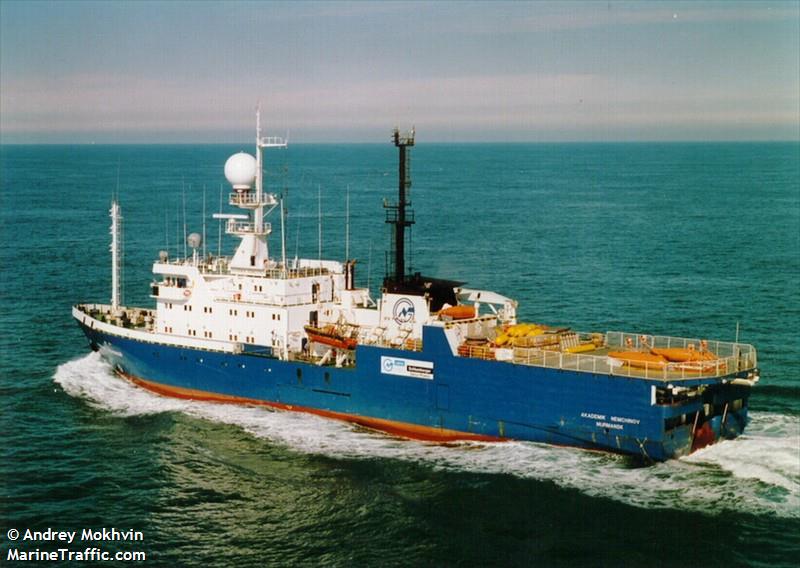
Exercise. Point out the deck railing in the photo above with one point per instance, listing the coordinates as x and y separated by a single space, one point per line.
743 354
604 365
234 226
128 317
249 198
732 358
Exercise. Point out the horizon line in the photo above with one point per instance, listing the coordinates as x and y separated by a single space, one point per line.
432 142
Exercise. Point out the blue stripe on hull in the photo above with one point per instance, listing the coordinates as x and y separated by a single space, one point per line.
467 395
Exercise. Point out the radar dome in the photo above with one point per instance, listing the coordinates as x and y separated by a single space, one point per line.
194 240
240 170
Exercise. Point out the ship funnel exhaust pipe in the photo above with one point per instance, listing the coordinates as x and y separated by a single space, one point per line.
350 275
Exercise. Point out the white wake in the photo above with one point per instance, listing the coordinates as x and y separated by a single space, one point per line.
757 473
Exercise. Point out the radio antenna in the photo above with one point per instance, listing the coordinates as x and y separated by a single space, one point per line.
283 236
183 198
219 235
369 265
347 225
166 230
204 220
177 231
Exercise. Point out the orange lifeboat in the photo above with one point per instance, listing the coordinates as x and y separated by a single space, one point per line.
329 335
459 312
640 359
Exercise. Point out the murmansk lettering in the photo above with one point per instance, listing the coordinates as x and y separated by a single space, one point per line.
111 534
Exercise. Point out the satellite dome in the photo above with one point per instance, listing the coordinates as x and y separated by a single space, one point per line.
240 170
194 240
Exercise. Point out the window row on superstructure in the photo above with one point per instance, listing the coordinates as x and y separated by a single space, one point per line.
234 312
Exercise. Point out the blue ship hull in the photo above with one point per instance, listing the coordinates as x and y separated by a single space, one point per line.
462 398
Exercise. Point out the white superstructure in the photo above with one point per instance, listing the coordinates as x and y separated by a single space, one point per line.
252 301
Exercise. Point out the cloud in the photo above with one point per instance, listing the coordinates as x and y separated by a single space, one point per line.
372 65
119 103
579 16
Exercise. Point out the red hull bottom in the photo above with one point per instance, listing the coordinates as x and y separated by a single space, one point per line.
401 429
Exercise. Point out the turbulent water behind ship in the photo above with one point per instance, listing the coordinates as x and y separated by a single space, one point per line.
687 239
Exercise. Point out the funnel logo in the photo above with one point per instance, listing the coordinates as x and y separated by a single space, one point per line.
403 311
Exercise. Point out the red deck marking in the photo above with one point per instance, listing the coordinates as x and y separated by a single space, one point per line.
401 429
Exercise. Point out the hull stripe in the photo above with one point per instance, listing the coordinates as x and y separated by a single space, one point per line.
401 429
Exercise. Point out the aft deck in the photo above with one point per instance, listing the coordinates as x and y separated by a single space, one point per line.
732 358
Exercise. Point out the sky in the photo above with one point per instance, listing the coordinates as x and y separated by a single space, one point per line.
118 72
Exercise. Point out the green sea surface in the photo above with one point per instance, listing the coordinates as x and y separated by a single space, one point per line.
696 240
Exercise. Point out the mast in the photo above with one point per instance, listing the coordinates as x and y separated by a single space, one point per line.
185 234
115 257
259 213
246 175
396 213
283 237
219 228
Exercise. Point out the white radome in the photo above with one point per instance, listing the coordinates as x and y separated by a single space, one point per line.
194 240
240 170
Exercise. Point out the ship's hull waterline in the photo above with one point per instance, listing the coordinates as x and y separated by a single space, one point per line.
459 399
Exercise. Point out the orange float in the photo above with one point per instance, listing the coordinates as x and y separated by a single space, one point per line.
640 359
459 312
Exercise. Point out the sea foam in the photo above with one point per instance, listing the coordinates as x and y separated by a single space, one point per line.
758 472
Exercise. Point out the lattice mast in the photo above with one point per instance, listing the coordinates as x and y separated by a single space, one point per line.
396 213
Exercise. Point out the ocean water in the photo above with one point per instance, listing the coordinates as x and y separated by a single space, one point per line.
683 239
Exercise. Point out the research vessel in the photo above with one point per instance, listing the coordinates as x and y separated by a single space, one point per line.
430 359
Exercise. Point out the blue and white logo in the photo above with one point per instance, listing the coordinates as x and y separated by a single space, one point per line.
407 368
403 311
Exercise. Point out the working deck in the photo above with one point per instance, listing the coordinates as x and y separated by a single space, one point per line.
732 358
